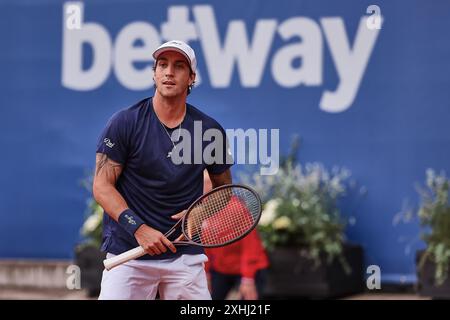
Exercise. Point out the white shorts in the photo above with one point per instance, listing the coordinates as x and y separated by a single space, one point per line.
181 278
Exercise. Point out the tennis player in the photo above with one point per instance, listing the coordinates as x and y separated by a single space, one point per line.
143 191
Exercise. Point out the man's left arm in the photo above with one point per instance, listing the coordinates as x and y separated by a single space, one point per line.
220 179
218 200
217 180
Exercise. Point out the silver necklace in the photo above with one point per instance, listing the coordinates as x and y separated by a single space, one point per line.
169 154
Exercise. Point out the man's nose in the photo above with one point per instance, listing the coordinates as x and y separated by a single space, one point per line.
169 71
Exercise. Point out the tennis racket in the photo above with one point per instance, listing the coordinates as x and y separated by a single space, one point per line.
220 217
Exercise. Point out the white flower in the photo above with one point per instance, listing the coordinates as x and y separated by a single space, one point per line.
314 199
430 177
272 205
336 186
441 179
295 202
269 211
281 223
305 205
92 223
314 178
422 213
345 174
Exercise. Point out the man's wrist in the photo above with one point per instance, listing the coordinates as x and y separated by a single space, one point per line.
130 221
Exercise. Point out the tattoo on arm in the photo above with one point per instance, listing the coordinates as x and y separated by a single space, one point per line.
103 162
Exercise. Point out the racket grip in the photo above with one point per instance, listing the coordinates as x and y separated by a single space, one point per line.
123 257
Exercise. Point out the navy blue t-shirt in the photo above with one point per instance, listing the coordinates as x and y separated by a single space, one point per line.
152 185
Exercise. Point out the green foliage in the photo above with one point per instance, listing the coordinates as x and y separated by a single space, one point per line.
92 227
434 215
300 208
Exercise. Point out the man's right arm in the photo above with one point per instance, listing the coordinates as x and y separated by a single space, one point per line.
105 193
107 172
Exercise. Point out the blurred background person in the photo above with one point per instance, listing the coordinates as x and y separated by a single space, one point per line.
243 263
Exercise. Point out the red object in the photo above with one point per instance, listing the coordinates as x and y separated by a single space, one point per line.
227 224
243 257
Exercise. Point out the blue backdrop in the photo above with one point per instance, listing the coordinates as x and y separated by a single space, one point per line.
373 100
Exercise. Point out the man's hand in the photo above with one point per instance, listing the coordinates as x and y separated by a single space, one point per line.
178 216
248 290
193 225
153 241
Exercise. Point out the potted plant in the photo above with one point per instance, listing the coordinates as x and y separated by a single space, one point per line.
304 233
434 216
88 255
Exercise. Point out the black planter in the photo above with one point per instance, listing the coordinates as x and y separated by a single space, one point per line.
293 276
90 260
426 285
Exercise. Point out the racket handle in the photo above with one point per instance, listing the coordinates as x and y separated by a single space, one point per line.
123 257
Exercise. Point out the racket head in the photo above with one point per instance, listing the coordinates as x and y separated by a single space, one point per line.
225 215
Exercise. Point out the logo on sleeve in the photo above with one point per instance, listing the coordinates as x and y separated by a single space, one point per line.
108 143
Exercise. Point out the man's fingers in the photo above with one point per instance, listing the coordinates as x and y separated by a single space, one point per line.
160 245
179 215
155 250
191 228
181 238
169 245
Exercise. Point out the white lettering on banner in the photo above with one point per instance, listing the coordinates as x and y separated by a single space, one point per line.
250 59
127 54
309 50
73 75
250 52
179 27
350 64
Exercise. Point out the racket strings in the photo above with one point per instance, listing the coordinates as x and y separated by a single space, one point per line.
222 216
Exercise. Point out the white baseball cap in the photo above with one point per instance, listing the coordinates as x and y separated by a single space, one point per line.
181 47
